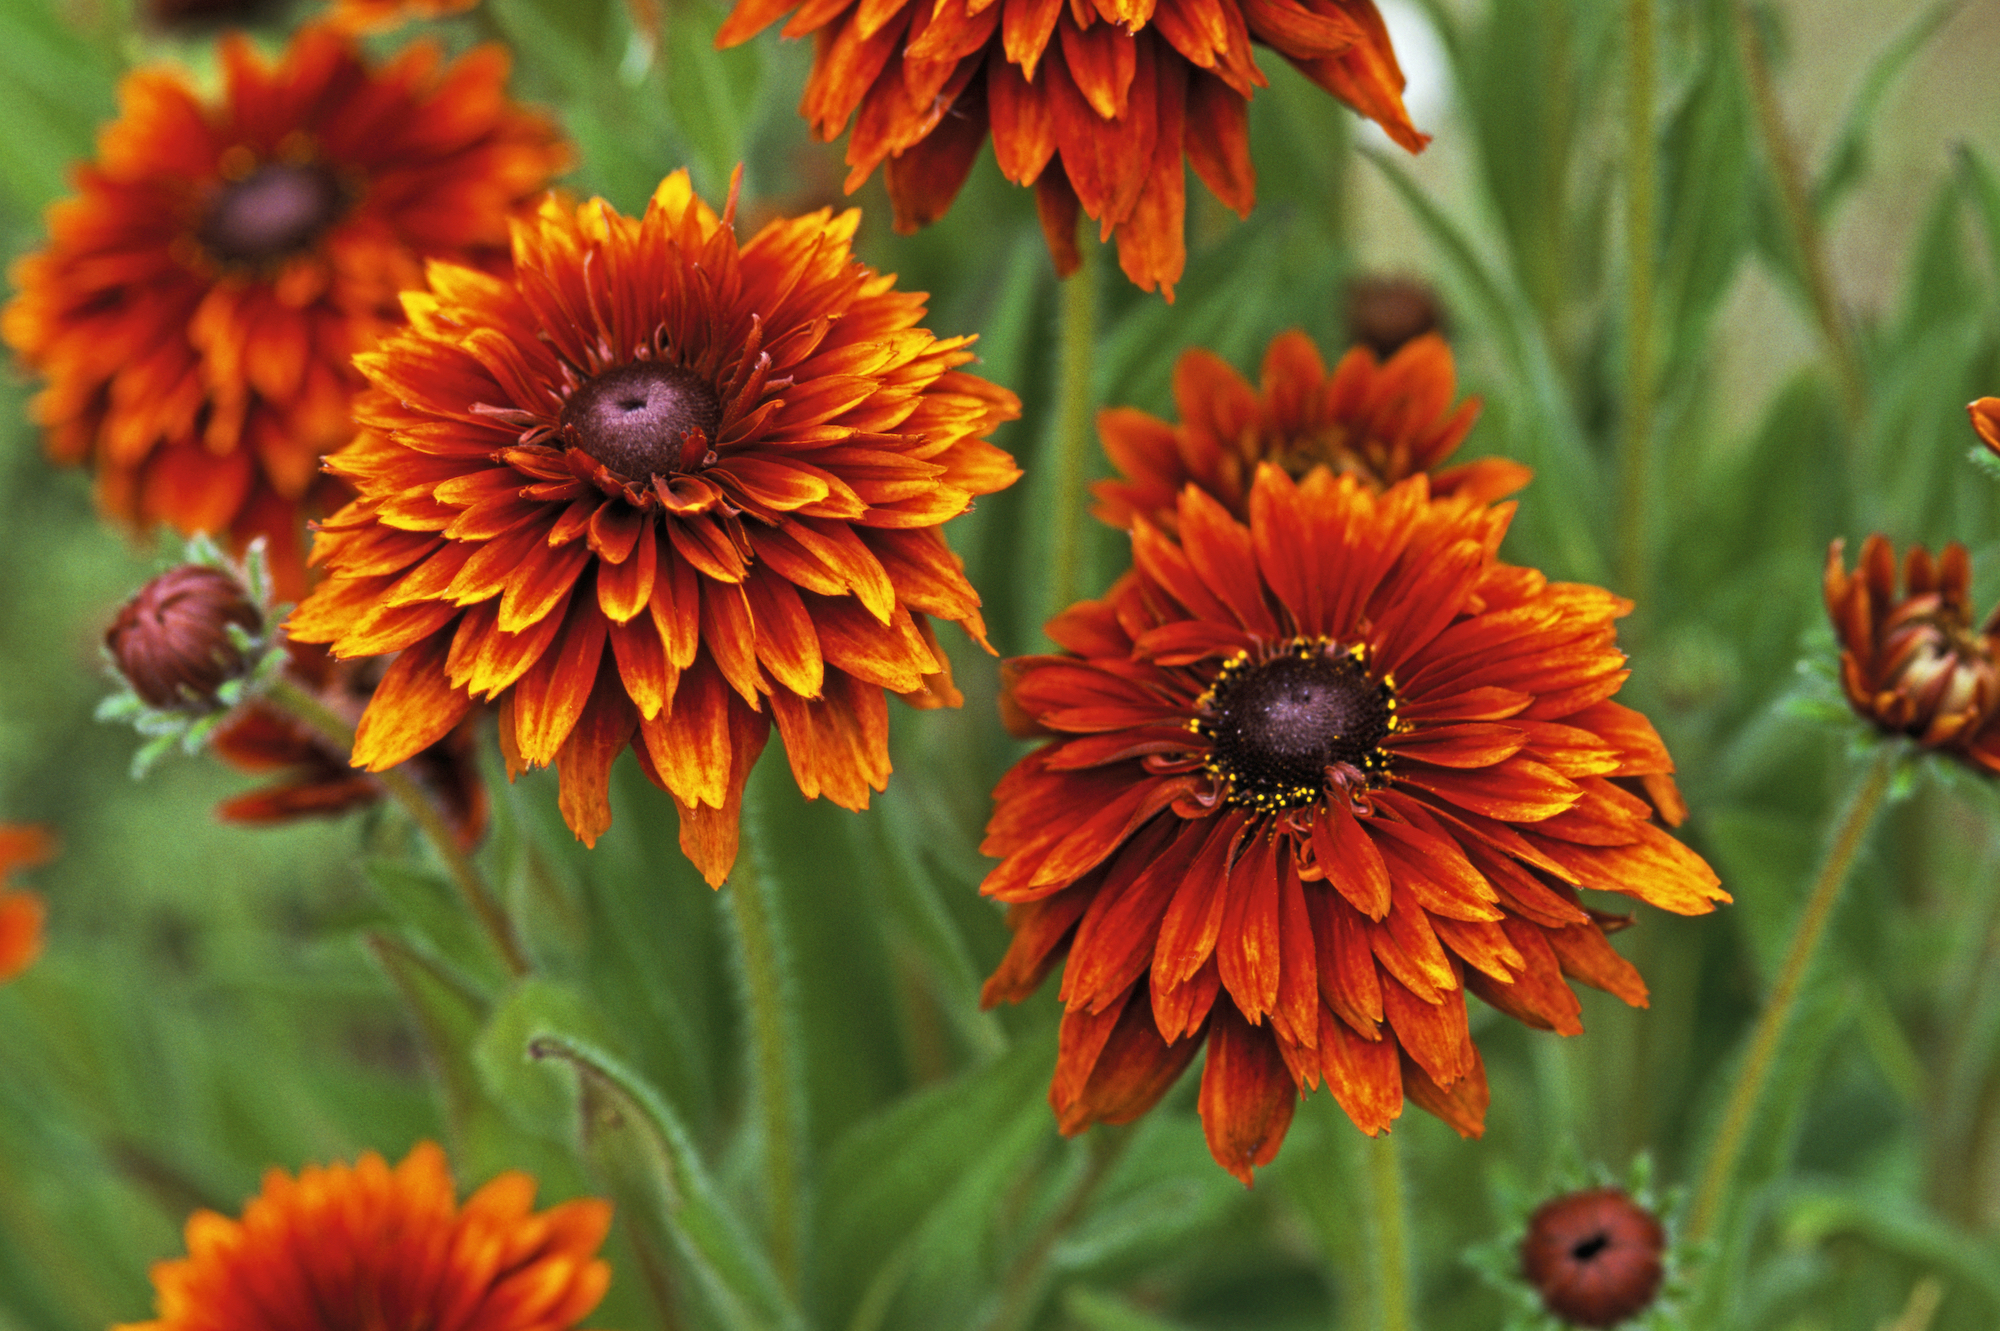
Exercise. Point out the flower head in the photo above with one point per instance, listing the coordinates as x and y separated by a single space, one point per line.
1381 421
1985 415
1095 103
1308 781
1595 1257
172 643
21 913
1912 663
198 15
194 312
661 489
361 1247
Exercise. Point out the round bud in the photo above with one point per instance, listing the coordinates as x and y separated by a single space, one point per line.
1594 1256
172 642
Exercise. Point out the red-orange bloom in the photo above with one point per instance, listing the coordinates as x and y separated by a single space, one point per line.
1380 421
1985 415
365 1247
381 15
201 295
1309 780
1912 663
21 913
662 489
315 780
1094 103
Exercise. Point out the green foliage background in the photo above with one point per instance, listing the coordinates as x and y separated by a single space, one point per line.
214 1001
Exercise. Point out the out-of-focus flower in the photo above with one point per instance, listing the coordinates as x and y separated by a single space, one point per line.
1380 422
1912 663
21 913
315 779
1385 313
172 642
1595 1257
382 15
196 308
1985 415
194 16
1095 103
661 489
1308 781
361 1247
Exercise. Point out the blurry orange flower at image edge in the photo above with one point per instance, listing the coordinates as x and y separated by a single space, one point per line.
194 313
21 913
362 1246
1307 782
665 490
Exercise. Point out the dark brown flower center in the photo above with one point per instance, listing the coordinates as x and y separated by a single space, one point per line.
1281 729
635 418
278 209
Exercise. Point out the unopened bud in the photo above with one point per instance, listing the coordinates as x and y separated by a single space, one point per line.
1383 313
172 640
1594 1257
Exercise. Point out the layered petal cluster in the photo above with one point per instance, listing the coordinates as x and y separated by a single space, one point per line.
1380 421
1308 781
312 779
1093 102
194 313
21 913
660 489
370 1248
1911 661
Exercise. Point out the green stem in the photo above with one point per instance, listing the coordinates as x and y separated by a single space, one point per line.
772 1041
1074 432
1388 1235
1747 1095
1027 1281
1800 220
421 810
1641 390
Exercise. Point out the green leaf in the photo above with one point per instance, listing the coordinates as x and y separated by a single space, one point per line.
638 1145
448 1017
1847 161
535 1095
436 920
713 94
1096 1310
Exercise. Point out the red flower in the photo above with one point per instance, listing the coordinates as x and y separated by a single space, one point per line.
367 1248
1308 781
1094 103
661 490
21 913
1380 421
196 308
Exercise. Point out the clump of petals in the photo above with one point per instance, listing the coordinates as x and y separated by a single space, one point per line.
21 913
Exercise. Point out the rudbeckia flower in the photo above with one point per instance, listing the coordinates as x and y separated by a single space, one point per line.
194 313
1911 662
1307 782
660 489
1381 421
1095 103
21 913
365 1247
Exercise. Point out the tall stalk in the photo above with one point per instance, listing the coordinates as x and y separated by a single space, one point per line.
1074 435
1388 1234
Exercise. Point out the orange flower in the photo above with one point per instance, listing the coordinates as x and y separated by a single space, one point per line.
662 489
1094 103
361 1247
382 15
1382 422
1913 664
1985 415
314 779
21 913
200 297
1308 781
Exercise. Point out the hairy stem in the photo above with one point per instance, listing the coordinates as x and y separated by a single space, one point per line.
1027 1280
1746 1097
422 810
1388 1235
1077 339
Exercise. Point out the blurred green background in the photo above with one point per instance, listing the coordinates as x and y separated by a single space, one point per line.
216 1000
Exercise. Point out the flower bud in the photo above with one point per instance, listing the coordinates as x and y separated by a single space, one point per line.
1595 1257
172 640
1383 313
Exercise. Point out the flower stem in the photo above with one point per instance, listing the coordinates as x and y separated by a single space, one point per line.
1027 1280
1077 341
1746 1097
421 810
1388 1236
772 1037
1641 389
1796 202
